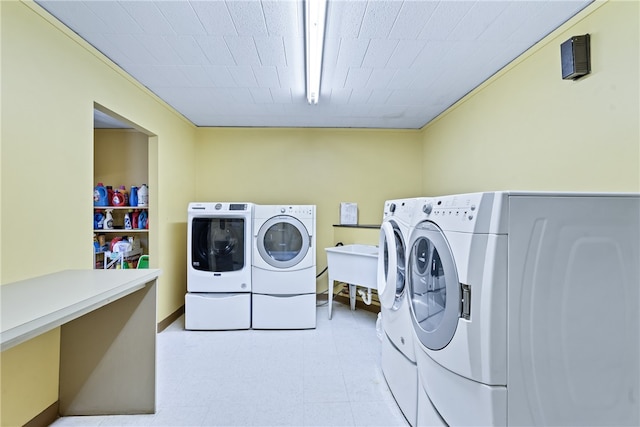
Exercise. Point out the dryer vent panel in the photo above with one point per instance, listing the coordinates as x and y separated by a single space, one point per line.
576 57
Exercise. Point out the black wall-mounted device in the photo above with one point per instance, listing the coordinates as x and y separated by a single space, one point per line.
576 57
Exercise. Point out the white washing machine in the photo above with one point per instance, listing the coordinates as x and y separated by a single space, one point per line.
398 357
284 267
525 309
219 250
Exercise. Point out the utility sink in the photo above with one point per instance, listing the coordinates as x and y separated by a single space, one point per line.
353 264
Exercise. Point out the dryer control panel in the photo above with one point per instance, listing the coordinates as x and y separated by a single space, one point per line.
463 212
219 207
401 208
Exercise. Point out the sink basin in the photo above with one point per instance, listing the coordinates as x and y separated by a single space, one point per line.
355 249
354 264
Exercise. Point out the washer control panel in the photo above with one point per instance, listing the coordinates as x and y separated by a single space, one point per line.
295 210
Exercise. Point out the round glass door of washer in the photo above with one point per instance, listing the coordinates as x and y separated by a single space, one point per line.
283 241
435 295
391 266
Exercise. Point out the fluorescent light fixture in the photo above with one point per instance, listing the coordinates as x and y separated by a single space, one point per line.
315 14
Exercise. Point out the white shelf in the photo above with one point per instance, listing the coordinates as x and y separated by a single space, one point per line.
121 230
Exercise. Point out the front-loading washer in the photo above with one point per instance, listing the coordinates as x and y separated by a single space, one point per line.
525 308
398 359
284 267
219 250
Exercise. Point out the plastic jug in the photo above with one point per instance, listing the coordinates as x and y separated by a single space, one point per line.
118 198
133 196
134 219
142 220
109 195
123 191
143 195
98 220
100 196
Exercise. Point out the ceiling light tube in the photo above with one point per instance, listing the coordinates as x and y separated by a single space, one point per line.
315 15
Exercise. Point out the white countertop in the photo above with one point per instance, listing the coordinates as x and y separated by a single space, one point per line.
34 306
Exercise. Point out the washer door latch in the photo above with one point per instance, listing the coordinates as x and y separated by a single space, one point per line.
466 301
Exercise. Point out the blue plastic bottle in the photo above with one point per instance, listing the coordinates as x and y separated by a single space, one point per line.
142 220
100 195
133 196
98 220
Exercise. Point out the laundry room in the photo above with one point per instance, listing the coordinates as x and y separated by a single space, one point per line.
522 128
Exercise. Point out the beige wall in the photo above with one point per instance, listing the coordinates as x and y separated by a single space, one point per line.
310 166
527 129
50 82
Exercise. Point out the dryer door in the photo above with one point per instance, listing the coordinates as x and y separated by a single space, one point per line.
283 241
217 244
433 285
391 265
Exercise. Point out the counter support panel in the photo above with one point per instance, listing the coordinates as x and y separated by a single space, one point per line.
107 321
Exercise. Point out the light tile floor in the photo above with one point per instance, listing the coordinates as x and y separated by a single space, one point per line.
328 376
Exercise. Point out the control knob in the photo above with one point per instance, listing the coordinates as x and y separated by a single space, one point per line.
427 208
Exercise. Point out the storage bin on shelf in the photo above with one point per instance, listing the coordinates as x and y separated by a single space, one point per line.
120 252
143 261
121 259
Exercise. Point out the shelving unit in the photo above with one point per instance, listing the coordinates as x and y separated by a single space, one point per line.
109 259
121 157
118 219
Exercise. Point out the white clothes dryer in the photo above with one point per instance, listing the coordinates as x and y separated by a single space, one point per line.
525 308
284 267
218 266
398 358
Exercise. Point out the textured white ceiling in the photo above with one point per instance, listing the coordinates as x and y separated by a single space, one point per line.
387 63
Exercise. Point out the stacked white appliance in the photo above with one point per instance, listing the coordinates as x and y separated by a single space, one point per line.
284 267
398 357
525 308
219 250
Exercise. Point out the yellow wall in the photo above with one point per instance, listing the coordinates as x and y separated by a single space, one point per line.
27 375
121 157
527 129
310 166
363 236
50 82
